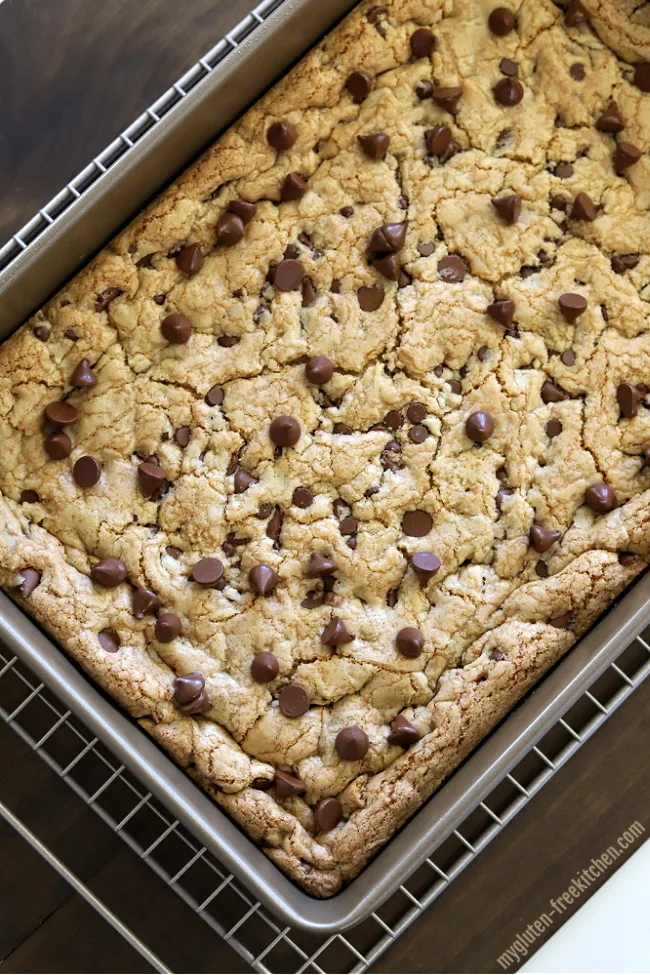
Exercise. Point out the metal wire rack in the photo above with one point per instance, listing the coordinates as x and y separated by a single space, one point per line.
53 732
215 895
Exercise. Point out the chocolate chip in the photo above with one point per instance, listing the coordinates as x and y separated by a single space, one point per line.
190 694
243 480
29 497
328 814
182 436
309 293
508 207
151 478
418 433
208 572
409 642
346 212
416 412
320 566
189 259
109 572
641 76
245 211
560 622
403 733
348 526
293 188
302 497
601 498
568 357
426 249
543 538
87 471
563 170
264 667
336 633
288 274
335 286
264 510
370 298
610 120
319 370
572 306
168 627
359 84
342 429
584 208
352 744
502 312
628 398
71 334
143 602
263 579
422 42
479 426
508 92
552 393
417 524
287 786
454 386
374 146
627 558
284 431
57 446
388 265
293 700
575 14
109 640
501 21
452 269
30 580
541 569
176 329
447 98
577 72
63 414
509 68
281 135
173 552
624 262
388 238
438 140
159 299
424 89
483 353
393 420
425 564
105 298
374 14
553 428
214 396
41 332
625 155
559 202
230 229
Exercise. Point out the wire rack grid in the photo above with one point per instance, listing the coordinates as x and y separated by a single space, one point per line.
216 896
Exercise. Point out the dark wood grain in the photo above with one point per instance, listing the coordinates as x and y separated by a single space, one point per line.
74 74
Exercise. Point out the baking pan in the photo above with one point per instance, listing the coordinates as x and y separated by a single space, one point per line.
29 280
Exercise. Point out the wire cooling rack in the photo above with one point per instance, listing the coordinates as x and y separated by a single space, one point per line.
213 893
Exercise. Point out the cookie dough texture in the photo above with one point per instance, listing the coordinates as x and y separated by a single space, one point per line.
485 615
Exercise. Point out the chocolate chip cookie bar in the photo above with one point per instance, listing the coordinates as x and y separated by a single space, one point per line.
324 461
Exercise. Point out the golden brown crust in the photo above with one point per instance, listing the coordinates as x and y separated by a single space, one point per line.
491 618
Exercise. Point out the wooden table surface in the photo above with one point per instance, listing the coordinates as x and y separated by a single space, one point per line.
73 73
